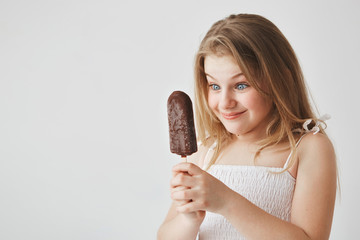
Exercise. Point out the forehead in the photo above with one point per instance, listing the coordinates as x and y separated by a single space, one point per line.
221 65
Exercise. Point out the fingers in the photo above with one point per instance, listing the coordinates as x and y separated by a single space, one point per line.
191 206
183 186
181 194
189 168
181 179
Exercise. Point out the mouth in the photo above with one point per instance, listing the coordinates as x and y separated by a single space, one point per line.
232 116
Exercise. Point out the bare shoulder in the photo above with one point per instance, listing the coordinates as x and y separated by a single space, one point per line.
315 138
317 157
198 157
316 149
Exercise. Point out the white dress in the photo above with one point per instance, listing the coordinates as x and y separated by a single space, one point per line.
265 187
273 192
260 185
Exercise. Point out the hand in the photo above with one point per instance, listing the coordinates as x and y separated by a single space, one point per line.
194 189
196 215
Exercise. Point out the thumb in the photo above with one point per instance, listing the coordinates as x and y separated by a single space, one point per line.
189 168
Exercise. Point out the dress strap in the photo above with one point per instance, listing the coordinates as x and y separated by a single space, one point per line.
315 129
297 143
206 158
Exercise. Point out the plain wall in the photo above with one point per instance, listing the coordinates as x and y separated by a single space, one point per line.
84 151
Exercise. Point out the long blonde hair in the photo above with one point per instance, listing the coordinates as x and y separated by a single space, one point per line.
266 59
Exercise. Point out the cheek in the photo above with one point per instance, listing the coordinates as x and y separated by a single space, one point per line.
256 102
212 101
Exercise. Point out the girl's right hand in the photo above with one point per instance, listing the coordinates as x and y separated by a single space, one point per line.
197 216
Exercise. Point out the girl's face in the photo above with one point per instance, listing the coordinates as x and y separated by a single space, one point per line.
239 107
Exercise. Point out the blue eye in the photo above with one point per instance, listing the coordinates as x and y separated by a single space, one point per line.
214 87
241 86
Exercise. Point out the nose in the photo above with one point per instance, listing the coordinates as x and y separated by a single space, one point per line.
227 100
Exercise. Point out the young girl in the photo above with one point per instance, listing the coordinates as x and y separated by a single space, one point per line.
265 168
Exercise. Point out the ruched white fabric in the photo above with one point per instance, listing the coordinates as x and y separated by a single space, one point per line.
272 192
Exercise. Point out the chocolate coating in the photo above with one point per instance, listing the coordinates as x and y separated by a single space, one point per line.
181 124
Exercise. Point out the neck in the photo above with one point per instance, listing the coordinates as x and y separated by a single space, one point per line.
250 137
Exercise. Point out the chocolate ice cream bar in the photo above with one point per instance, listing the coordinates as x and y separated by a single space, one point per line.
181 124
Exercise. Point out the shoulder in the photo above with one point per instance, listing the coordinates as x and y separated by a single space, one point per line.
317 168
316 148
198 157
318 138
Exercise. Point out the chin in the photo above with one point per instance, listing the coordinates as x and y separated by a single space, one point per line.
233 130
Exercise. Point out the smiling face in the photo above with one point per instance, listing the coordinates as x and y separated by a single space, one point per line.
239 106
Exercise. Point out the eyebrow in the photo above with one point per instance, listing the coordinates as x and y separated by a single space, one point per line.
234 76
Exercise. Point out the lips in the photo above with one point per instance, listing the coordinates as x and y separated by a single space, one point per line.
232 116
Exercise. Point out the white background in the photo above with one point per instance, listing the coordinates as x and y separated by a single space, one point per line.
84 150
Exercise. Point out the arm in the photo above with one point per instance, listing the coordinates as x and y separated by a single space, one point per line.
313 202
315 193
182 225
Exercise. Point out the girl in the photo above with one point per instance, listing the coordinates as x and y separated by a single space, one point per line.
265 168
